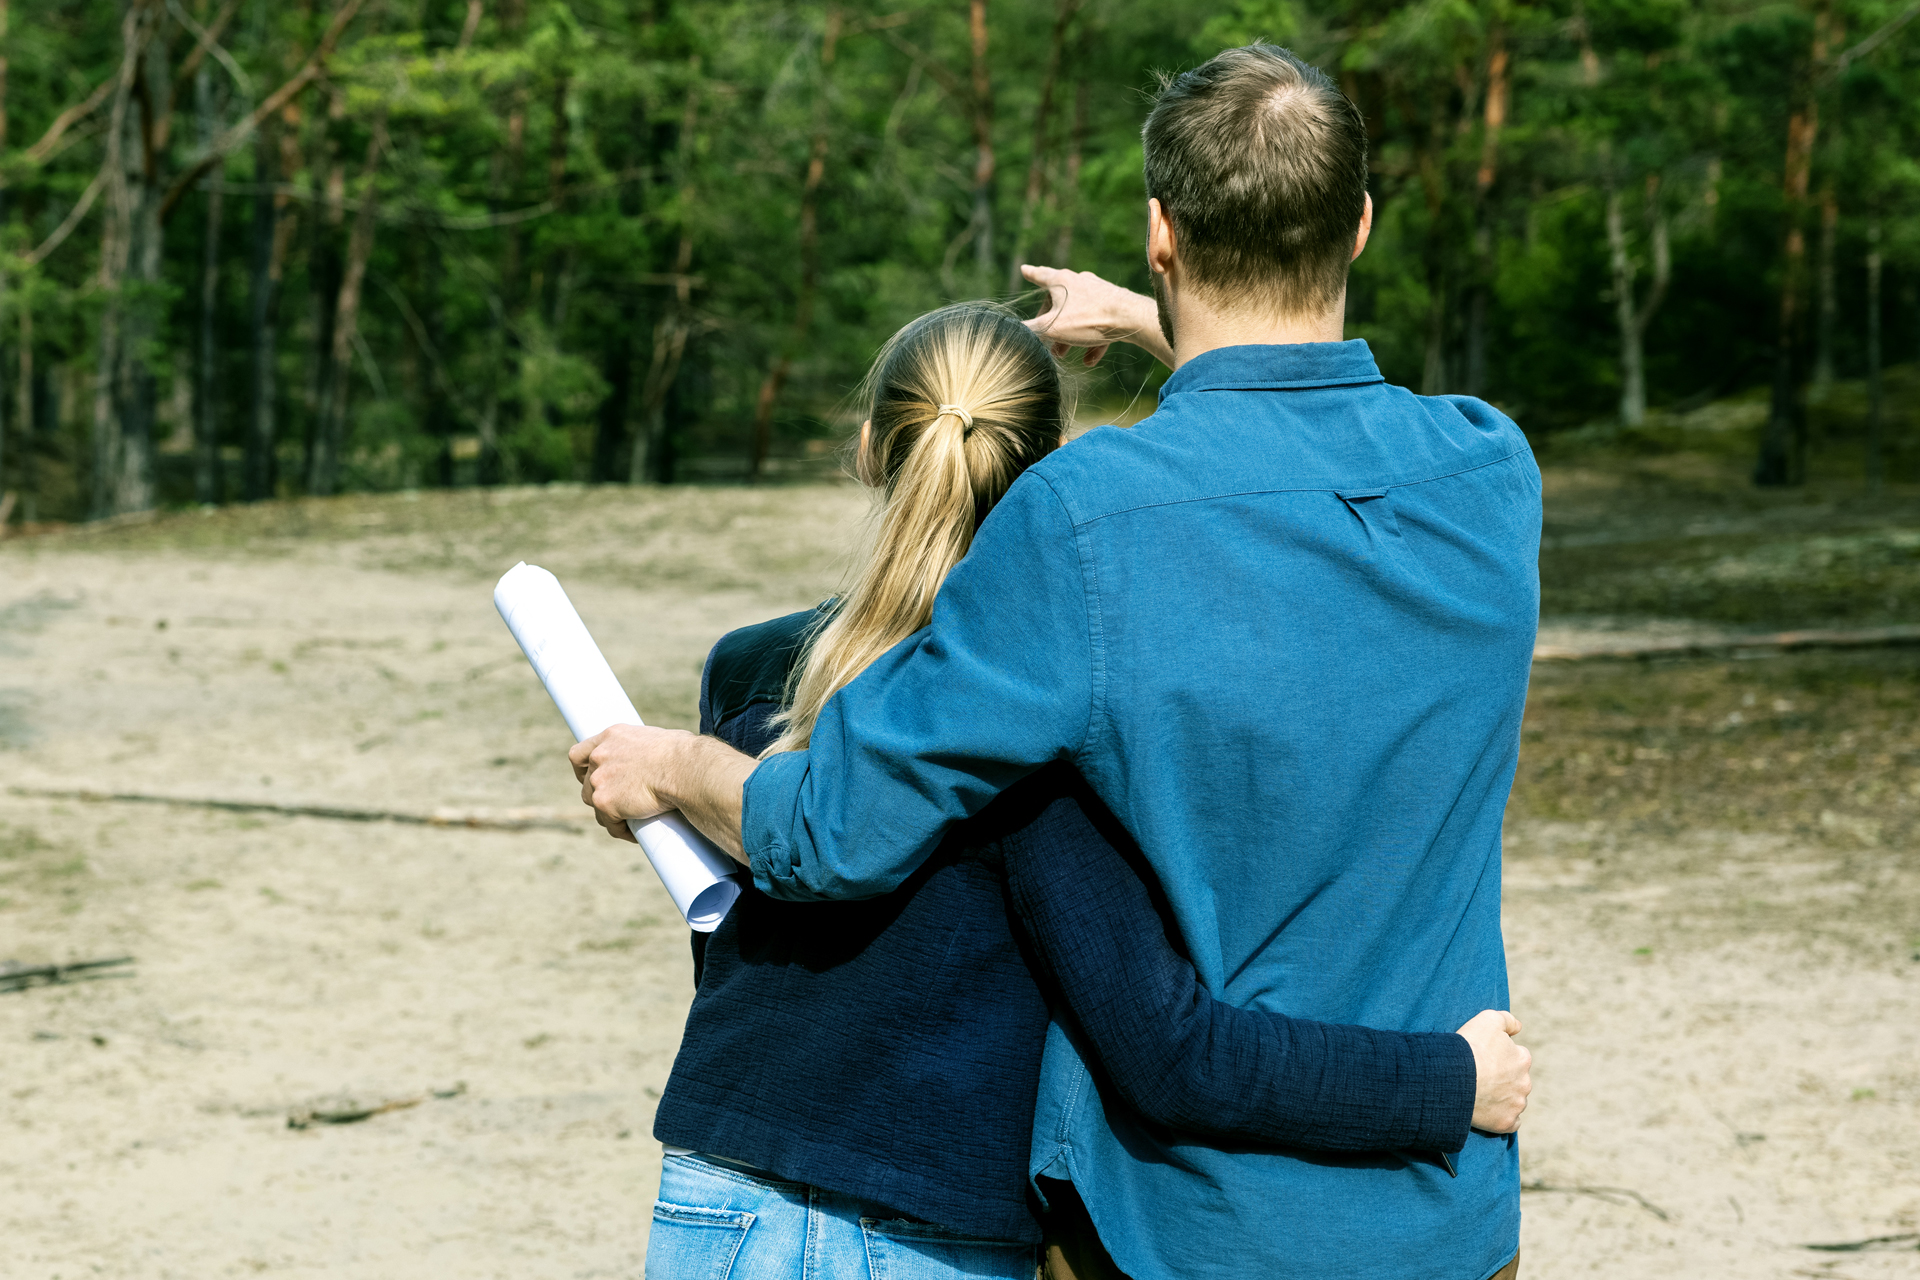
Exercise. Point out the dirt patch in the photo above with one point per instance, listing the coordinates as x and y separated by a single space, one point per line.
1822 749
347 654
1711 905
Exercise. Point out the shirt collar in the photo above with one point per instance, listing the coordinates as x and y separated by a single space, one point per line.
1272 368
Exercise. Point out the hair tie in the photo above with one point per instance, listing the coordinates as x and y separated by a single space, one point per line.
966 419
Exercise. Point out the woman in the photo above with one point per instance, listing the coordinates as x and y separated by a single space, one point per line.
855 1089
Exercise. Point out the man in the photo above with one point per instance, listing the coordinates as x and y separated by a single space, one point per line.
1283 628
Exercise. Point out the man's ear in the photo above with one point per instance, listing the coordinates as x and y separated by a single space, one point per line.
1163 246
1366 227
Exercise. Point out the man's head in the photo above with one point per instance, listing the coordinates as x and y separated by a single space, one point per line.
1260 165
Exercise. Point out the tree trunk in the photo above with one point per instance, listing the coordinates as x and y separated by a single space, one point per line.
776 379
25 424
106 420
331 432
770 388
1475 381
654 455
1633 383
1433 374
115 233
144 309
25 323
1829 306
652 450
436 414
1631 315
502 399
614 415
555 276
275 223
207 486
983 161
1076 152
4 491
616 366
1036 164
1782 446
133 490
324 274
124 389
557 143
271 235
1876 407
1493 120
1433 371
1662 269
1494 117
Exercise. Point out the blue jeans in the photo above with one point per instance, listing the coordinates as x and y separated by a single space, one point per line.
714 1222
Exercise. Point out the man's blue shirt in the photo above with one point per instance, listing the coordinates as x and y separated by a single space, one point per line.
1283 628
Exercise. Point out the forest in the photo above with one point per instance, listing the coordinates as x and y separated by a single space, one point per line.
269 248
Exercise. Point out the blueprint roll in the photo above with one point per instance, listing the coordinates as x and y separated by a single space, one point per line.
700 879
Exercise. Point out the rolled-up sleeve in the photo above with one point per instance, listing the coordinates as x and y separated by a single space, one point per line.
1002 682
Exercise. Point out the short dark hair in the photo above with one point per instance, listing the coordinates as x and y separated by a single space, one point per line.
1261 164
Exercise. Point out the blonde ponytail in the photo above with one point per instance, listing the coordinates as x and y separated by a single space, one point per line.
962 401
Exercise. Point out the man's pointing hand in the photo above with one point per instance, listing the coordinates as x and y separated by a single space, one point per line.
1085 311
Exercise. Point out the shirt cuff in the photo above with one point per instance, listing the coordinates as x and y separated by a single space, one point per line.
769 799
1443 1062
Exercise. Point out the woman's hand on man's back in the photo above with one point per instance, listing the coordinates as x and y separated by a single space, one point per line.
1503 1071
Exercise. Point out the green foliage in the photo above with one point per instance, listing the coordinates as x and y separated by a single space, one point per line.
589 234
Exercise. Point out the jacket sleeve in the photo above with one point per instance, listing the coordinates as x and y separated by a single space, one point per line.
1000 683
1187 1061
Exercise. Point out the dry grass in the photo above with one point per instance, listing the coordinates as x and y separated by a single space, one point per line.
1656 771
49 872
1816 746
1699 775
1681 533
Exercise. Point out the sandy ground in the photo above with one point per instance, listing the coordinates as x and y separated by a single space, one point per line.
1711 1098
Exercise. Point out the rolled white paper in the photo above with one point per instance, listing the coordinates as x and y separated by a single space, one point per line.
699 878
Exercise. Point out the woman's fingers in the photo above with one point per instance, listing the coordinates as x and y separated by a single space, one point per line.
1503 1071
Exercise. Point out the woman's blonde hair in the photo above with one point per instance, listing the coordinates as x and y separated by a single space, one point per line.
961 401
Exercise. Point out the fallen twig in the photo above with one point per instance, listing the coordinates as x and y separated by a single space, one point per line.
505 820
19 977
307 1117
1739 646
1612 1195
1873 1244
